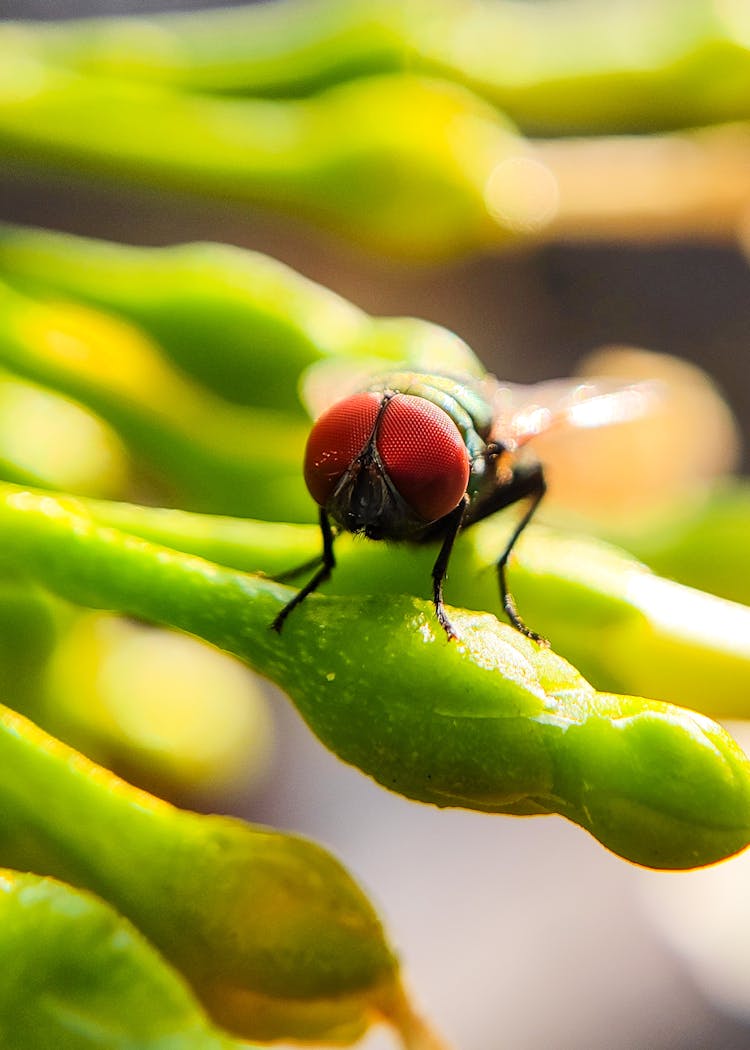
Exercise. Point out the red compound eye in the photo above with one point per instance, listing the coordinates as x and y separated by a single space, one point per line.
335 441
424 454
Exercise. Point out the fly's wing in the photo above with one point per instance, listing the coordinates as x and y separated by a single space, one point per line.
521 413
589 475
646 450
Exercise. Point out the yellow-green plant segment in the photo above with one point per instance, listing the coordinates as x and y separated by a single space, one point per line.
240 322
560 65
395 162
74 975
596 602
705 546
492 723
198 449
272 933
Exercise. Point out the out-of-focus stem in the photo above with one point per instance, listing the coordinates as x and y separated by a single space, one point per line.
562 65
693 184
419 168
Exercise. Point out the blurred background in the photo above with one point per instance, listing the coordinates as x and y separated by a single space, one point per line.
513 933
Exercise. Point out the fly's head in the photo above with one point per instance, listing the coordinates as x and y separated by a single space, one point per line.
386 464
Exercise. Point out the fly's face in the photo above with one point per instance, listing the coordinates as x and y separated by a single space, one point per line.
386 464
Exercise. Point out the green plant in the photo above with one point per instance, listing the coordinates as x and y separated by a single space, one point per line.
492 722
185 373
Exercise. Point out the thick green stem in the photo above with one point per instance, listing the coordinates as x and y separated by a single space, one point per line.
75 975
397 163
198 449
597 604
491 722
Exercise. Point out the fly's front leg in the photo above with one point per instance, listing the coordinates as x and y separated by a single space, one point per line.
292 574
440 568
529 484
328 562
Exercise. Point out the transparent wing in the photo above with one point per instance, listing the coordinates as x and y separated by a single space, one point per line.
521 413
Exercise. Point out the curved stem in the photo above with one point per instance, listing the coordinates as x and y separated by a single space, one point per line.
643 188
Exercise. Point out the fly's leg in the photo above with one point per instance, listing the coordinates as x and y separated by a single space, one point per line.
452 524
530 484
327 561
526 482
291 574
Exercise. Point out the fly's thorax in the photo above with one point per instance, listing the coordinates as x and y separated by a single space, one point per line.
465 402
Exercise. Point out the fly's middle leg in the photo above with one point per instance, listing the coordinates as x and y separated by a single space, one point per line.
533 486
452 524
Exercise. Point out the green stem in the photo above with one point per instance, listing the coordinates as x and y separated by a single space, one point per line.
562 65
76 974
491 723
705 546
272 933
203 451
242 323
397 163
597 604
378 161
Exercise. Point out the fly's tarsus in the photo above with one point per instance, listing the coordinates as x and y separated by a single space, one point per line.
509 604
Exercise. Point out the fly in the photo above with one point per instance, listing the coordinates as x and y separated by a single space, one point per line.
418 457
